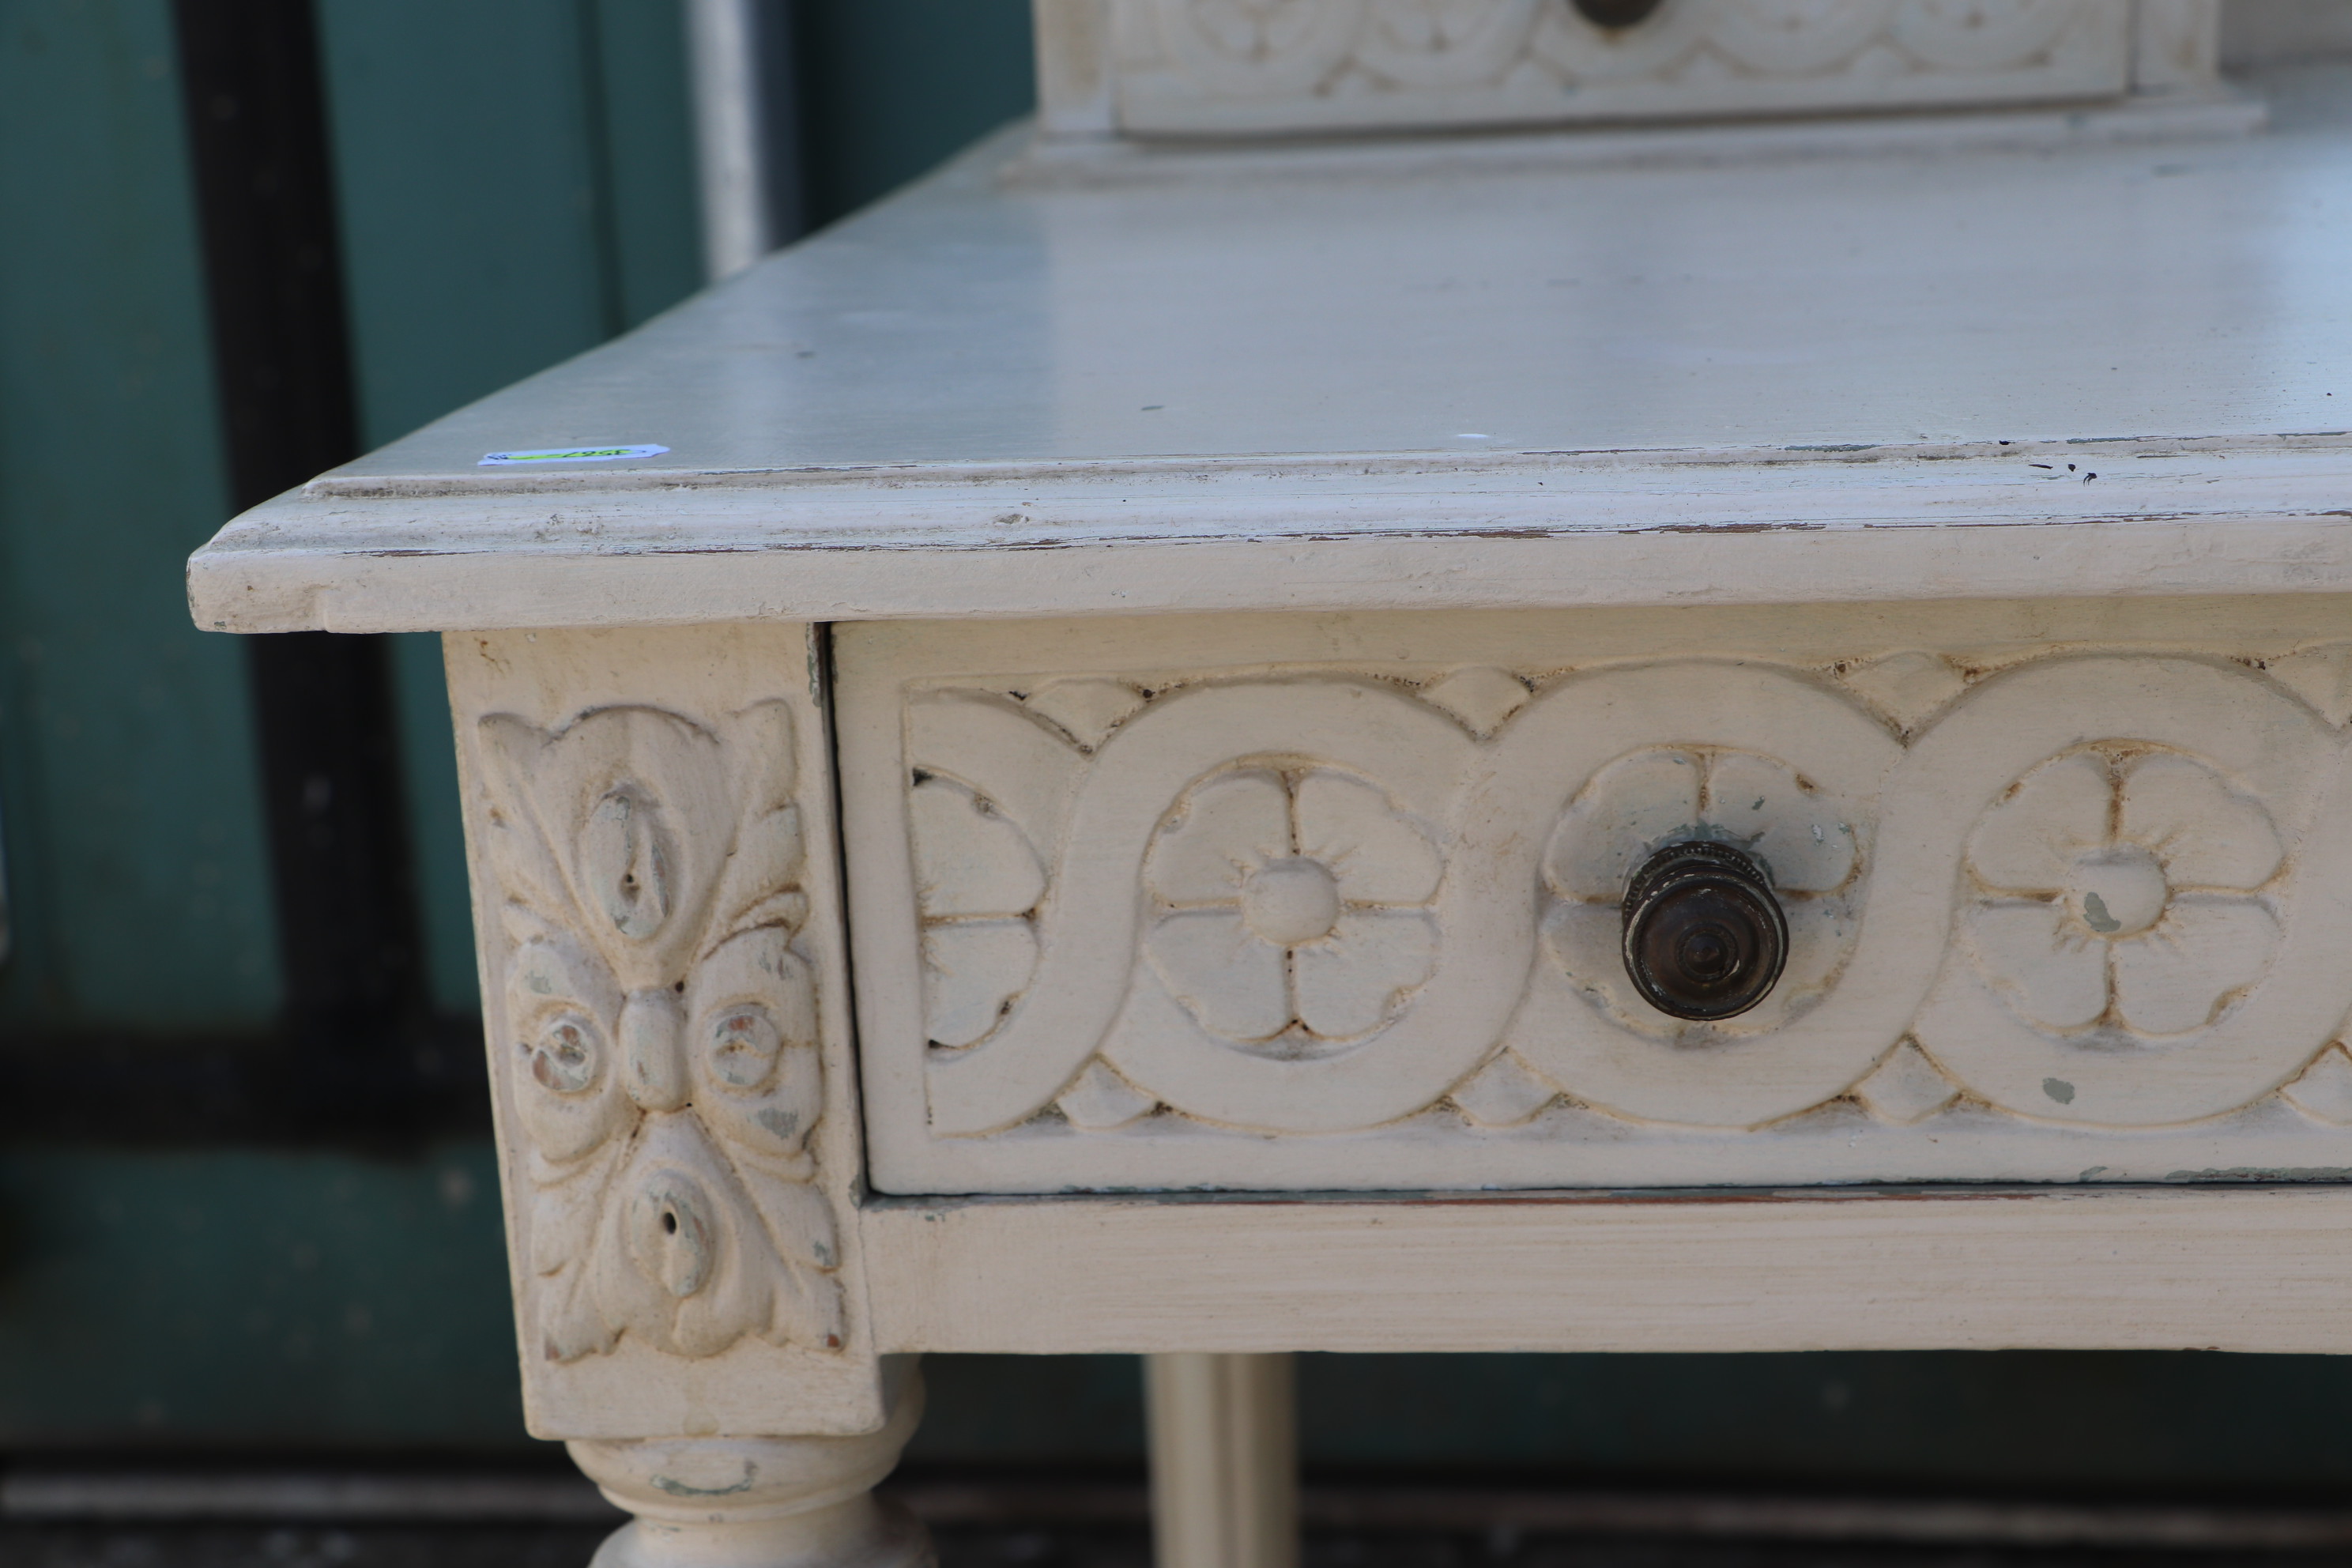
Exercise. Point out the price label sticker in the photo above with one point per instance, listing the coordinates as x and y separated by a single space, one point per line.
569 455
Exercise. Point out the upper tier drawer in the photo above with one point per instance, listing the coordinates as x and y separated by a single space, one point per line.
1248 66
1314 901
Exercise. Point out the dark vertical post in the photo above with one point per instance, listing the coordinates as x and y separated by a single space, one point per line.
257 136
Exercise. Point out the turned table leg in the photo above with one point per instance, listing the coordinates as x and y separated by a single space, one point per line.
761 1502
1224 1463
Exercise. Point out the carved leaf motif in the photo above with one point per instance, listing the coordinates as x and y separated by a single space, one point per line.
1445 43
1227 978
1759 801
767 858
2051 972
1228 829
1503 1093
1261 44
2056 812
1628 807
2133 863
970 860
684 1258
1352 984
2206 950
562 1010
565 1205
631 803
753 1032
1480 696
2324 1091
667 1097
1797 37
1101 1101
1375 855
2206 835
757 886
1981 34
1907 1088
1087 710
970 970
625 862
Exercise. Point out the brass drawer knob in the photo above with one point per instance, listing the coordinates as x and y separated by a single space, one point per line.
1704 937
1616 13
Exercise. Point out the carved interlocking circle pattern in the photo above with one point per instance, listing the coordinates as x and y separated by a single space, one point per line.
1322 903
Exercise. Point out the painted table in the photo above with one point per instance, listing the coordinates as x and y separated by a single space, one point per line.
1674 739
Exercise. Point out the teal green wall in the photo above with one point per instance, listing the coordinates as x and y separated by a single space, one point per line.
516 184
254 1298
133 834
891 86
2019 1422
506 203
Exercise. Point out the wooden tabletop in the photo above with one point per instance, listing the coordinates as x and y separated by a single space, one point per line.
1468 372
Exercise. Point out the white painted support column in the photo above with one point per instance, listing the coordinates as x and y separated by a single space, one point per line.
1225 1461
726 52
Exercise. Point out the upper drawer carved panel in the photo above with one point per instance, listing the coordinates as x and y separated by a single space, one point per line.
1240 66
2072 915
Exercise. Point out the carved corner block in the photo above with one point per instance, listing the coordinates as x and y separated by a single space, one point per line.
647 821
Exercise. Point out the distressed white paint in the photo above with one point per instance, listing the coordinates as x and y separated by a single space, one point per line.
2252 1268
617 947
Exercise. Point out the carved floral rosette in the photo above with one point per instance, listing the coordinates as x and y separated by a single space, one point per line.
661 1030
1323 903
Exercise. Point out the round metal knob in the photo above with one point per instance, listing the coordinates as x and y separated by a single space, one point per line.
1704 937
1616 13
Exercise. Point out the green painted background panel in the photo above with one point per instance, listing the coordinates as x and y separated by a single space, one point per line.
656 245
2003 1421
2013 1423
894 86
467 180
127 783
437 831
269 1298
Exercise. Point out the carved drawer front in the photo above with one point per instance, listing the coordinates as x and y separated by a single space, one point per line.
1193 67
1313 901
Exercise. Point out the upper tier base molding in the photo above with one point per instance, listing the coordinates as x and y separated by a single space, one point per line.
1234 67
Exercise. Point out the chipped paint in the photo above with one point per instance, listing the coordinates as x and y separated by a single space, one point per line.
677 1488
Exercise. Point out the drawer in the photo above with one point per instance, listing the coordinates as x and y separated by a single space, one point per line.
1225 66
1337 901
